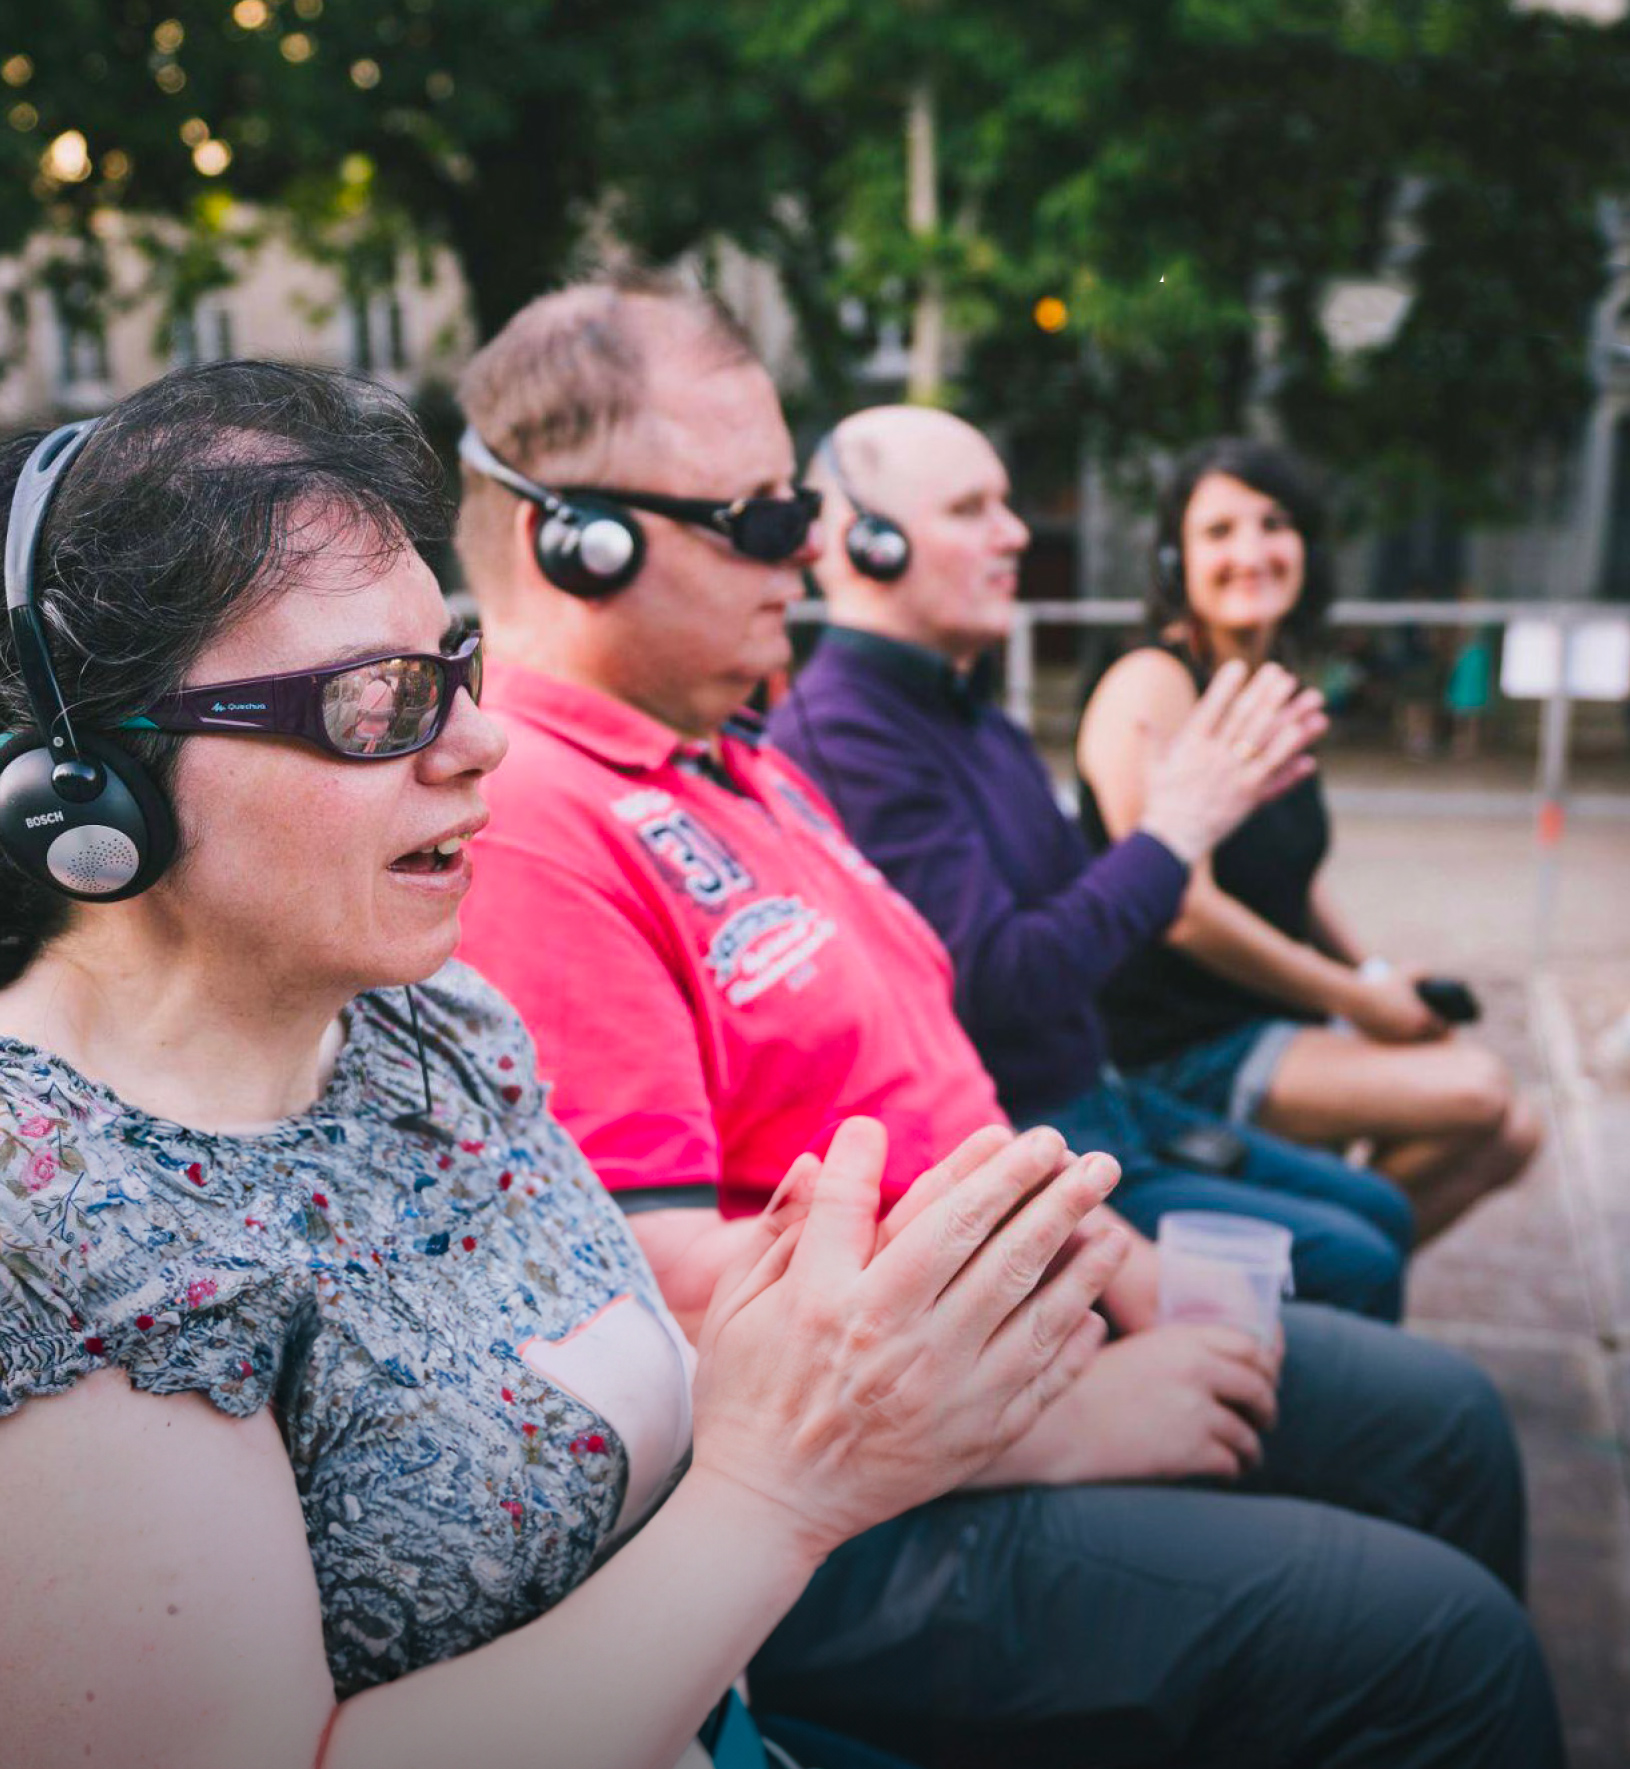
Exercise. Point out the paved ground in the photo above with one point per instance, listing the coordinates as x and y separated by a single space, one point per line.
1536 1285
1437 863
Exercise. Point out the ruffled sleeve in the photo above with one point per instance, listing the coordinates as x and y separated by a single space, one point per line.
44 1343
119 1247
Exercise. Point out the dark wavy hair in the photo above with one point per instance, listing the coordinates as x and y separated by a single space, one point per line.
197 498
1277 474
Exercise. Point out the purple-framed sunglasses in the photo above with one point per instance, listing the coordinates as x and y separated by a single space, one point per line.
371 710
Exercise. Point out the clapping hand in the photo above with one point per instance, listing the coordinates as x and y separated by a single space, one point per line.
852 1369
1244 744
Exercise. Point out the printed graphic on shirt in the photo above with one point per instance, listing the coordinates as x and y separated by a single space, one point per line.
690 857
634 1371
765 943
832 838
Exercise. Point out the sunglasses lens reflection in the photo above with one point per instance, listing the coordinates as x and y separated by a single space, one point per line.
382 709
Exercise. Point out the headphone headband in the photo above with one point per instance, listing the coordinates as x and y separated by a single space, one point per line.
37 484
475 453
878 547
79 816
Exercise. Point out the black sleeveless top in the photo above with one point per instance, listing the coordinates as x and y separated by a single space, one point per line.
1160 1002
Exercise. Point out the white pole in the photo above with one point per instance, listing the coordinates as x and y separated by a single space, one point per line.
1021 669
1553 786
927 372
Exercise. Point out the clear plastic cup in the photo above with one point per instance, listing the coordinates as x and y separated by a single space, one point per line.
1223 1270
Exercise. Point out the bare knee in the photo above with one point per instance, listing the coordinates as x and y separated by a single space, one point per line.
1479 1096
1522 1133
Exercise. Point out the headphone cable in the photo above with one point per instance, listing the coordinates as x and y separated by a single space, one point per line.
423 1121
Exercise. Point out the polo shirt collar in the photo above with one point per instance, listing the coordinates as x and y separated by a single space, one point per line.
619 734
922 673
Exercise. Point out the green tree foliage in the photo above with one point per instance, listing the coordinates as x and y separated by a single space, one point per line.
471 122
1186 177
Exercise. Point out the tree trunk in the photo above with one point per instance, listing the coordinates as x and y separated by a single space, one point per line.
512 231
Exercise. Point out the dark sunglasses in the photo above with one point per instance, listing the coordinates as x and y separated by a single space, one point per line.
766 529
368 711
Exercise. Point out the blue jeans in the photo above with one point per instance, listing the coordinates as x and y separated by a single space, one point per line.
1352 1229
1353 1605
1228 1076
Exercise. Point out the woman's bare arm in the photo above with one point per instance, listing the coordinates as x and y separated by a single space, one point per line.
1328 926
1136 711
157 1600
159 1607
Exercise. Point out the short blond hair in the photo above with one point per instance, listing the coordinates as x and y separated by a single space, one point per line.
568 372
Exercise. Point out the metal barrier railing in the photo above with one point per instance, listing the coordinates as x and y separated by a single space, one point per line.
1020 661
1551 783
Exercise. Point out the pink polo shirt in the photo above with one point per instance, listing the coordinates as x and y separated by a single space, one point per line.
715 978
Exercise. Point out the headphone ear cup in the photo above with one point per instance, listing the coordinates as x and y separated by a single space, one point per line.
111 847
588 549
877 547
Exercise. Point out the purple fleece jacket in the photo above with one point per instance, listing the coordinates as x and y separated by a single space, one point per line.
949 799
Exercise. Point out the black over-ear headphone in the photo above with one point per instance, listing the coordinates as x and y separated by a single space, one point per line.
877 545
584 545
78 814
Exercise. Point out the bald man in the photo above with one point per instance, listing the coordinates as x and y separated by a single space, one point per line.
948 797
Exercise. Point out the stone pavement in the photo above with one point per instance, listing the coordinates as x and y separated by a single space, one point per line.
1536 1284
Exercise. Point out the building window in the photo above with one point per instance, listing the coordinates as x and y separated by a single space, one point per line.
377 334
202 333
82 346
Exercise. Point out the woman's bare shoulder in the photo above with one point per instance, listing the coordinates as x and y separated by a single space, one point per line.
1147 690
1147 676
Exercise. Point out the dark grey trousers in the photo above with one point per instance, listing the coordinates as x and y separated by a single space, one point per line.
1354 1606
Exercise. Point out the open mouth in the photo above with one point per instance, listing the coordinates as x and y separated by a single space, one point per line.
442 856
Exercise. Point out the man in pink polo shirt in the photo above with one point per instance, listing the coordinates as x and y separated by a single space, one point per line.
714 977
698 906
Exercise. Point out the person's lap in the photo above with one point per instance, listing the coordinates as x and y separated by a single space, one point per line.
1390 1424
1329 1085
1351 1228
1227 1075
1273 1163
1119 1626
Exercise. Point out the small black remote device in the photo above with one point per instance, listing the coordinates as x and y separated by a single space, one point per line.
1450 1000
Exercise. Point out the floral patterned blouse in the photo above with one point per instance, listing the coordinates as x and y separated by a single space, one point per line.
424 1306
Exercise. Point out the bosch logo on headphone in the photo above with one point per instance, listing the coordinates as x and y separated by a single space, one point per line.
44 818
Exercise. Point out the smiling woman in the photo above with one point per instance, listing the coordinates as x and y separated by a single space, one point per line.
312 1385
1259 1004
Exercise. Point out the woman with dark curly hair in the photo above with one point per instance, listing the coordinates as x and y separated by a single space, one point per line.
330 1377
1236 1011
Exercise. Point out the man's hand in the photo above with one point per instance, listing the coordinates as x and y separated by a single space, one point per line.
843 1379
1242 745
1174 1403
